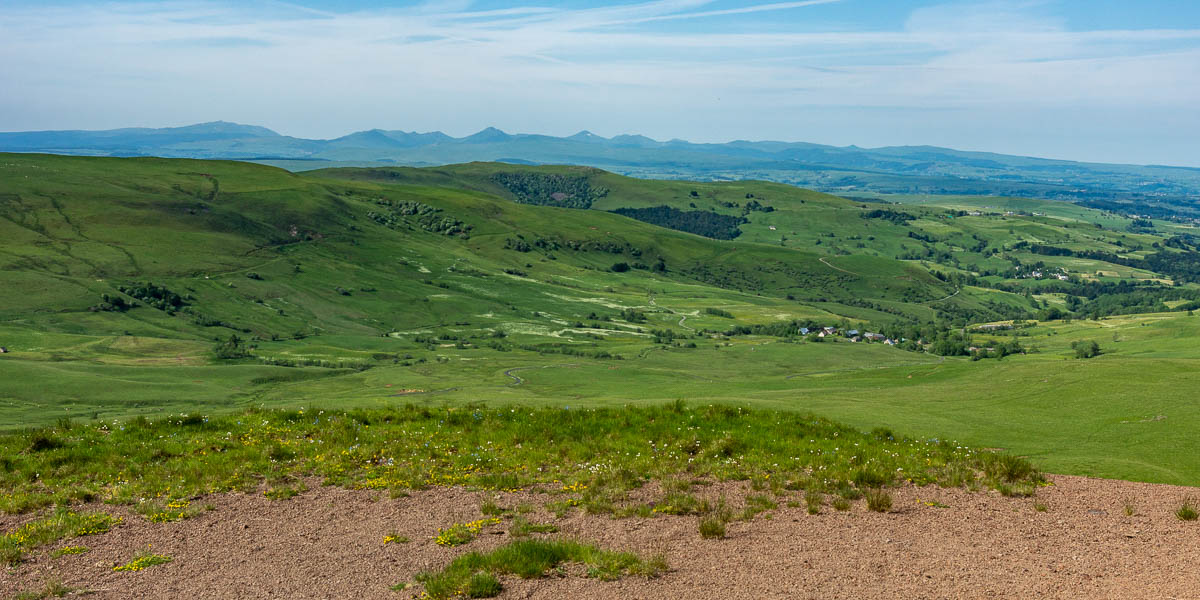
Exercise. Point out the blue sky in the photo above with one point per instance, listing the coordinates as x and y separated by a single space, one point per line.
1086 80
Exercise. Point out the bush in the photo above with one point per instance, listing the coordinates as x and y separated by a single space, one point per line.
231 348
1086 349
620 267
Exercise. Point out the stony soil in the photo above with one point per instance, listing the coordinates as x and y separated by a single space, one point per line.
328 543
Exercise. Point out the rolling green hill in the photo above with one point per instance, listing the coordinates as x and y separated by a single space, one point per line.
152 286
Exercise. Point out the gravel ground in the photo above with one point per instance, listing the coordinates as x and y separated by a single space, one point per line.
328 543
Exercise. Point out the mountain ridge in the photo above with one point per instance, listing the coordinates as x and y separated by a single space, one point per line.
1155 190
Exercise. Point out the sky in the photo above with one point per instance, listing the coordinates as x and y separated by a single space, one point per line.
1092 80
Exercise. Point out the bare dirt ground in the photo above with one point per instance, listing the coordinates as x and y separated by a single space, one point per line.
328 543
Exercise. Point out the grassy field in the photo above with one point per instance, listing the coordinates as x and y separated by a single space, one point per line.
381 288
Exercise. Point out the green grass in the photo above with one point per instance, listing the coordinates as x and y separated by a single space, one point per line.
712 527
62 523
462 533
52 589
514 447
474 574
878 500
143 561
522 527
1187 510
70 550
444 321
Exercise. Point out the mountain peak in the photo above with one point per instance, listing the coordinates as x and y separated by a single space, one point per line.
587 136
489 134
223 127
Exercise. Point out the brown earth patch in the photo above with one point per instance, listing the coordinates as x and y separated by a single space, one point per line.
328 543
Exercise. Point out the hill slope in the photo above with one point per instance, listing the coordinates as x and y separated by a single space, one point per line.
125 282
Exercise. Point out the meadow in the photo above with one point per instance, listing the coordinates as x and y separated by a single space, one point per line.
441 289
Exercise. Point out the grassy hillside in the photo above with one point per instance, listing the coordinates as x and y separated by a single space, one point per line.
124 280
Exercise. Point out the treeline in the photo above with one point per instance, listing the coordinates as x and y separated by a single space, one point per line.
1183 266
887 214
568 351
523 244
700 222
150 294
935 338
543 189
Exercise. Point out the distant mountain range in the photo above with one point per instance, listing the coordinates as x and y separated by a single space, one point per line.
1156 190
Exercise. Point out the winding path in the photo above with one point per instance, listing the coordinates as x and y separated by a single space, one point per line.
518 380
682 318
956 291
826 263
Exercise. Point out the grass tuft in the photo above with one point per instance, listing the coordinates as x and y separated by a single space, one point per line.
521 527
52 589
491 509
813 499
878 500
1187 510
143 561
61 524
70 550
285 492
712 527
462 533
474 574
395 538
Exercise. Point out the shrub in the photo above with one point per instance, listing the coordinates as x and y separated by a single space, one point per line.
1086 349
231 348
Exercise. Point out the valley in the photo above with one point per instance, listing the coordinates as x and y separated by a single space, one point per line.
339 297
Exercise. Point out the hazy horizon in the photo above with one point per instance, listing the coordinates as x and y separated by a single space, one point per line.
1085 81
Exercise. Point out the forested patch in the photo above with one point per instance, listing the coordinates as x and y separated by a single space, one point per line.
567 191
888 214
408 213
700 222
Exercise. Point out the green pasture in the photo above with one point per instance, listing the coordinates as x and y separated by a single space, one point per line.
338 309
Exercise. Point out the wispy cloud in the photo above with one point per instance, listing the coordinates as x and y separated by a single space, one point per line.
446 64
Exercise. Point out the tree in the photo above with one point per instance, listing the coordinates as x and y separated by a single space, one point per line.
1086 348
231 348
